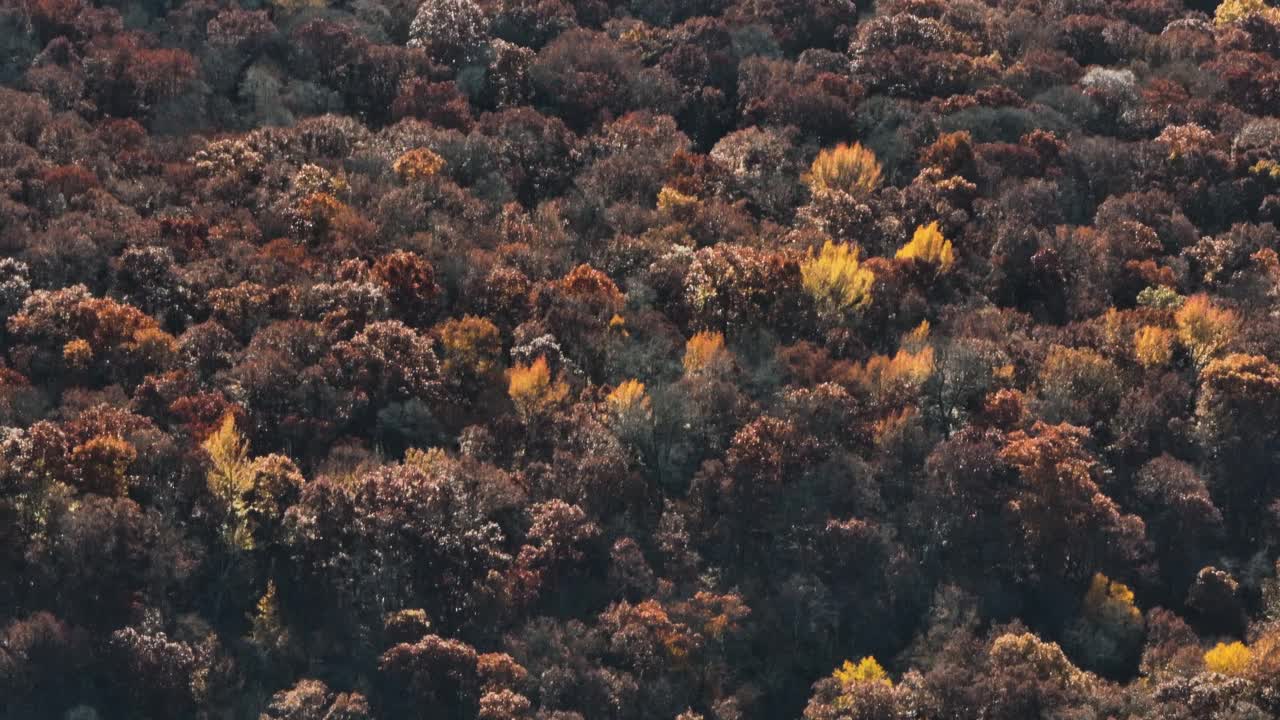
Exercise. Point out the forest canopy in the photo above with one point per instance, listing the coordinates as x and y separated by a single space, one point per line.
631 359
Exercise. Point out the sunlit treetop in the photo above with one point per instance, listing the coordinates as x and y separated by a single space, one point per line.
1204 328
929 246
1232 11
867 670
1229 658
835 279
418 164
705 353
850 169
532 389
629 397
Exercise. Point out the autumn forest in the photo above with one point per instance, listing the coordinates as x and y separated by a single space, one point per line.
639 359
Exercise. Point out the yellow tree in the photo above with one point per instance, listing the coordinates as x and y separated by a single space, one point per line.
866 670
1229 659
836 280
471 348
1205 329
628 399
230 479
855 690
852 170
1152 346
1108 634
705 353
1111 603
267 629
1232 11
532 389
929 246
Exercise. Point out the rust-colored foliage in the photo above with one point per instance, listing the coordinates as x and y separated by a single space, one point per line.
102 463
565 359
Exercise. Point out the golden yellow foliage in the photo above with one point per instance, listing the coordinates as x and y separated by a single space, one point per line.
618 324
849 169
1110 602
1204 329
1229 659
896 428
532 389
1152 346
836 280
1266 168
470 346
918 336
929 246
424 460
705 351
268 630
629 398
1232 11
672 200
418 164
904 373
866 670
229 479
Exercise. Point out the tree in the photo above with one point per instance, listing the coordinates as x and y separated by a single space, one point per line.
313 700
230 479
532 390
417 165
102 463
1239 398
1204 329
416 537
705 353
855 692
451 31
836 281
1108 634
852 170
1027 677
928 246
470 353
1068 526
1153 346
439 673
1078 385
1234 11
408 279
1228 658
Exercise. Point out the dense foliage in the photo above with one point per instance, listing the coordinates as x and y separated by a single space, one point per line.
621 359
